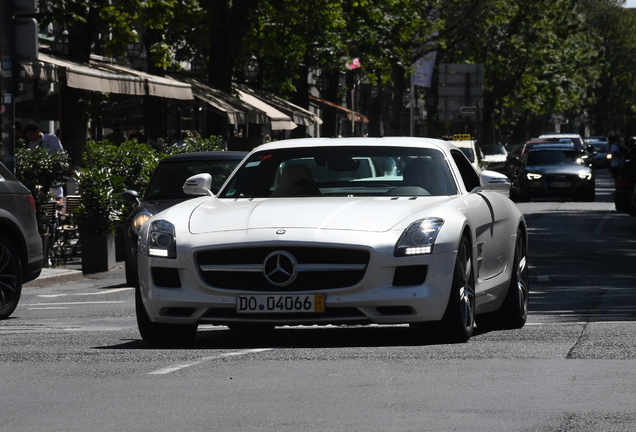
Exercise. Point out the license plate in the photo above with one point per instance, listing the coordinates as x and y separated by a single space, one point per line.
561 184
280 303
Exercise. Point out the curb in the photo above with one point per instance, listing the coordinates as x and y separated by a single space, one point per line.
50 277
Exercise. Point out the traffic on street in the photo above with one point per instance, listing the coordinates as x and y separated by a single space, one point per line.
73 358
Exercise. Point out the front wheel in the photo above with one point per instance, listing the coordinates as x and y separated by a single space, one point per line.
10 277
458 321
160 333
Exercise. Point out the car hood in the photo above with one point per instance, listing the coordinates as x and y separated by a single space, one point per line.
377 214
557 169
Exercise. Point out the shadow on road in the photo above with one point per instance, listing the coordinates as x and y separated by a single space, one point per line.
304 337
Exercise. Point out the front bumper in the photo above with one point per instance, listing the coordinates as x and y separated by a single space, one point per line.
376 298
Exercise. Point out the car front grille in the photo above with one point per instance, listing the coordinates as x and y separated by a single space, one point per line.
561 182
315 268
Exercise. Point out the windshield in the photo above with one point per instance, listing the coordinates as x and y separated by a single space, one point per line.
169 177
343 171
554 157
469 153
601 147
496 149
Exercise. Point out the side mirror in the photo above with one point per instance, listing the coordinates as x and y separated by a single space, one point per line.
493 180
200 184
130 196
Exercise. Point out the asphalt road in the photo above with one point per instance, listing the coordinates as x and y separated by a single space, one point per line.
71 358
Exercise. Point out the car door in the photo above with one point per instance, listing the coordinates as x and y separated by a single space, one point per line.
488 214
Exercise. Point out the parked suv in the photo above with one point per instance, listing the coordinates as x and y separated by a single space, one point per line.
21 255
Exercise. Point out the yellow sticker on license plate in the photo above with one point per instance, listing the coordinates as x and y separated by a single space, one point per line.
280 303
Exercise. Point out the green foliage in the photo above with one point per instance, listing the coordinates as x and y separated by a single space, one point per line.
40 171
101 208
112 169
194 144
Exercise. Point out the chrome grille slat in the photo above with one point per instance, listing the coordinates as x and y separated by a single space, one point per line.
316 268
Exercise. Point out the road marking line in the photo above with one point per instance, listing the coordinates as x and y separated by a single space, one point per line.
75 303
204 359
114 290
110 291
543 278
602 223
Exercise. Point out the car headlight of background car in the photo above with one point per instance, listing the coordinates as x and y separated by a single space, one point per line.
139 220
533 176
419 237
161 239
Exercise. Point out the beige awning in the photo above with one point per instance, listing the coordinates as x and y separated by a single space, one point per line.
277 119
107 78
237 111
325 104
299 115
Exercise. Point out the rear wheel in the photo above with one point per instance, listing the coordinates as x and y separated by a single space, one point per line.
10 277
459 319
160 333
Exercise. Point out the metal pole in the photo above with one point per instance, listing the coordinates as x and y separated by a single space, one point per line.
7 98
353 114
412 108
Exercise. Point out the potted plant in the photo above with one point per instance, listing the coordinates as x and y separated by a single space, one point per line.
99 213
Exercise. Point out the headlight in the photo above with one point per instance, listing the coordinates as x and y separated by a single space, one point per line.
533 176
584 175
139 220
161 239
419 237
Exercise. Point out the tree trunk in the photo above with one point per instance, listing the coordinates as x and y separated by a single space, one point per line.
227 28
399 84
74 123
487 133
301 98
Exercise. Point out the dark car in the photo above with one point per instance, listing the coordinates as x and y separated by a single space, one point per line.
165 189
601 156
552 171
21 256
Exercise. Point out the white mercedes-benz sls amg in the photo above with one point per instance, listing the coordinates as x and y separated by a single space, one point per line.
338 231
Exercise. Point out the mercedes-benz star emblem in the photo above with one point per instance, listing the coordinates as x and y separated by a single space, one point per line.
279 268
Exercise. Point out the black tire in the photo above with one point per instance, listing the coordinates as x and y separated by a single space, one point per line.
10 277
513 313
160 333
515 307
458 321
131 275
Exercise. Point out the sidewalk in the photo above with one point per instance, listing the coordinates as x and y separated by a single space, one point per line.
68 272
55 276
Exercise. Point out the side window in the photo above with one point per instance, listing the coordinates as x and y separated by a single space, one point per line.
469 176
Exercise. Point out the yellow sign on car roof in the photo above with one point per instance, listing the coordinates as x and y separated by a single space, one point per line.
461 137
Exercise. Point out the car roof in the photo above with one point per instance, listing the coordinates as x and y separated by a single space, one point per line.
357 141
552 146
565 135
211 155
